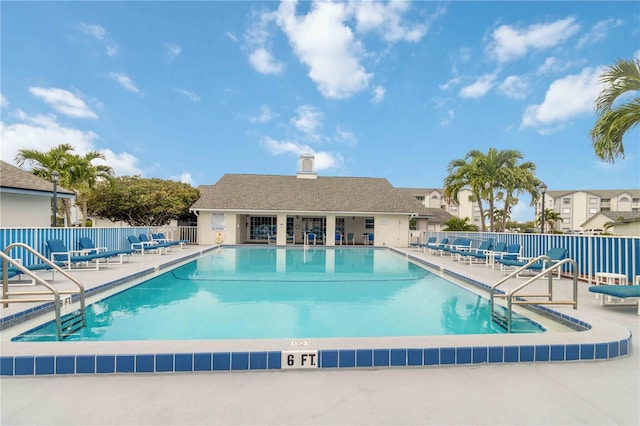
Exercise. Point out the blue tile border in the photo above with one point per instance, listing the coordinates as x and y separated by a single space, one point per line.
40 365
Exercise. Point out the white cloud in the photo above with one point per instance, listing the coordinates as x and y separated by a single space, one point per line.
257 44
448 119
43 132
263 62
345 137
378 94
4 103
64 102
387 19
568 97
598 32
112 50
265 116
231 36
173 50
100 33
93 30
514 87
323 160
637 54
510 43
327 46
184 178
308 120
452 82
190 94
124 81
479 88
123 164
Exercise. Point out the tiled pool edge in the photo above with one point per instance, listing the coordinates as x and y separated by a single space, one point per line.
168 362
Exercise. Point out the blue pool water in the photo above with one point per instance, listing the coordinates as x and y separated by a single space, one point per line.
268 292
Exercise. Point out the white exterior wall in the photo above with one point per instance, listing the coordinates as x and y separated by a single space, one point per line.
18 210
390 230
629 229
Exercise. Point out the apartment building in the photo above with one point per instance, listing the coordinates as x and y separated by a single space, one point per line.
576 207
432 198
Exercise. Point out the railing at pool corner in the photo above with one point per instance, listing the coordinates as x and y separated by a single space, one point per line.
592 253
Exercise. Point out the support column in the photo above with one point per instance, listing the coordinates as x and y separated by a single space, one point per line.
330 220
281 237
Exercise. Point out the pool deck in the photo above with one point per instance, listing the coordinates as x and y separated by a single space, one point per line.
581 392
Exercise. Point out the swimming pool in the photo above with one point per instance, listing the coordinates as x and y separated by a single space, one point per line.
297 293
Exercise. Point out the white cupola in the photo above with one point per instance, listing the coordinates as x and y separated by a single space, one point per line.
306 169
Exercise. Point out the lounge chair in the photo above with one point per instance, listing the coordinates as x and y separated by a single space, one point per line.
88 247
459 244
622 292
351 238
166 245
145 246
338 238
554 255
161 238
484 247
75 259
424 246
14 271
487 256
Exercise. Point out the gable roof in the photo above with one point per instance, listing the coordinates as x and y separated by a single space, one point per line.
15 179
625 216
602 193
350 195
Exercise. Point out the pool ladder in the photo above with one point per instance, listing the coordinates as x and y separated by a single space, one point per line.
65 325
513 297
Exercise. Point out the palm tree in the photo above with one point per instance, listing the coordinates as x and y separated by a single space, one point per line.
76 172
44 163
458 224
491 177
551 217
85 175
614 122
464 175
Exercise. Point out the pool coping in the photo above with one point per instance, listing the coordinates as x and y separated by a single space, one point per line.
599 340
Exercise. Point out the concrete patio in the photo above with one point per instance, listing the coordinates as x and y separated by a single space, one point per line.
593 392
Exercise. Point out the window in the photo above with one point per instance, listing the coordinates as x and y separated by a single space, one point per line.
369 223
420 197
340 225
636 201
260 227
605 200
593 200
435 197
624 200
454 209
217 221
476 209
566 210
476 219
605 209
566 201
593 210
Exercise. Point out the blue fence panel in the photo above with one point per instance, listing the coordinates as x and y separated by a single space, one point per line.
36 238
592 253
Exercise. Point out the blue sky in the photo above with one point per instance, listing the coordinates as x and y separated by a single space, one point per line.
193 90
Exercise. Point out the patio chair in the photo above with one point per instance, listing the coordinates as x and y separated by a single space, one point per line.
14 271
368 239
75 259
554 255
621 292
145 246
351 238
424 246
484 246
310 238
459 244
88 247
434 247
161 238
487 256
338 238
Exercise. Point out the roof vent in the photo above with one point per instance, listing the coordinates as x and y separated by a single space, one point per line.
307 169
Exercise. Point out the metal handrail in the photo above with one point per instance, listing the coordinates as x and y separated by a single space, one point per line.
511 295
6 260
